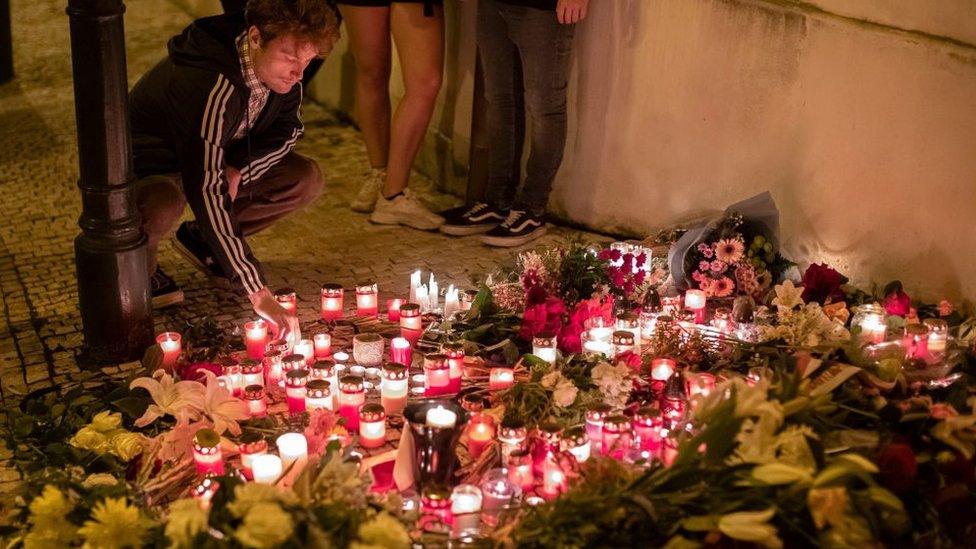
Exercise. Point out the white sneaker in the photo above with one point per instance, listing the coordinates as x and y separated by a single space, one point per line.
365 199
405 209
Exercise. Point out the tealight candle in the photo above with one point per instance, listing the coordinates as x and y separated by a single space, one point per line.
594 423
616 435
511 436
170 343
596 346
400 351
293 449
870 318
266 468
252 372
206 452
256 401
629 322
305 348
441 418
352 396
544 346
481 431
367 302
553 480
500 378
938 336
498 494
600 333
323 345
318 395
661 370
393 388
252 445
695 302
455 361
230 370
393 309
520 469
411 323
437 375
575 441
288 299
647 428
367 349
451 302
295 391
699 383
623 342
274 370
372 426
466 509
256 338
332 302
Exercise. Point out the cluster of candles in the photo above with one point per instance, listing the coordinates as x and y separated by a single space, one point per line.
926 341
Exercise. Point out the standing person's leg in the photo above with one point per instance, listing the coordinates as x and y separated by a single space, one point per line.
292 183
369 41
420 47
160 201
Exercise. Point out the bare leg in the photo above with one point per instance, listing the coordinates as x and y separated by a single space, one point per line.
369 40
420 47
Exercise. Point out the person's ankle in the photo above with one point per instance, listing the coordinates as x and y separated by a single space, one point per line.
391 197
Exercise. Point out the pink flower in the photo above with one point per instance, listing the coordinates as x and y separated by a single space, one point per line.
631 359
945 307
628 262
729 250
609 254
723 287
639 277
704 266
322 425
542 317
640 260
705 250
718 267
897 302
197 371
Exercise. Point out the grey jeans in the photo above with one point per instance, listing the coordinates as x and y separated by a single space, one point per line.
525 54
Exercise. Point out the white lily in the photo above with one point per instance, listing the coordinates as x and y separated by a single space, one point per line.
223 409
180 399
787 296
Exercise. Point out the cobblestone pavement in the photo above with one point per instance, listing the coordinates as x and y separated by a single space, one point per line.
40 327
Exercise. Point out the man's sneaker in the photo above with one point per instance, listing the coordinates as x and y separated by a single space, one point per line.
189 242
165 292
365 199
405 209
517 229
467 221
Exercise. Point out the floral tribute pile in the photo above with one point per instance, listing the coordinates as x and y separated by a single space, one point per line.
605 408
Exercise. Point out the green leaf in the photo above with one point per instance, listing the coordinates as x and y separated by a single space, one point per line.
132 406
152 359
701 523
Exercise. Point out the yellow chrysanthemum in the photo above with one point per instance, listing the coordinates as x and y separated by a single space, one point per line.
383 531
186 520
265 525
246 496
105 421
47 518
114 524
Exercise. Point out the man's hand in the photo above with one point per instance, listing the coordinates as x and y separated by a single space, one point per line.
284 325
233 180
571 11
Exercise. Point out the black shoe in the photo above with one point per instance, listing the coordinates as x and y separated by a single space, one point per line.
518 228
189 242
165 292
467 221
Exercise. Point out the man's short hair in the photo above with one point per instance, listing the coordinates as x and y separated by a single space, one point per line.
312 20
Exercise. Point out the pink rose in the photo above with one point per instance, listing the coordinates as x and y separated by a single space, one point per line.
896 301
945 307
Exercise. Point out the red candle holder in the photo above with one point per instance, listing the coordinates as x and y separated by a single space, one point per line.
575 441
372 426
393 388
500 378
352 396
231 370
617 436
256 401
512 436
288 299
274 370
411 322
437 375
455 361
520 469
435 510
647 428
318 395
252 372
393 309
400 351
323 345
170 343
206 452
256 338
367 301
481 432
295 382
252 445
332 305
594 423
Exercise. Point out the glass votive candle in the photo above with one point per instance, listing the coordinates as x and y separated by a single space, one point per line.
204 491
623 342
466 510
616 435
435 509
498 494
206 452
367 301
352 396
695 302
170 343
437 374
306 348
393 309
332 302
916 340
593 345
455 361
292 362
938 336
293 449
323 345
722 321
511 436
400 351
252 445
661 371
500 378
411 322
629 322
550 433
252 372
870 318
256 401
648 324
367 349
594 423
519 466
575 441
295 391
699 383
393 388
288 299
544 346
323 369
318 395
231 370
274 369
480 431
553 479
256 338
266 468
647 427
372 426
278 345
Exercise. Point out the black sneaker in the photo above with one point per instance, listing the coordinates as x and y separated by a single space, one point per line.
518 228
189 242
467 221
165 292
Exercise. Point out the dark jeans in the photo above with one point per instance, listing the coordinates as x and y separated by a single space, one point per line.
525 54
289 185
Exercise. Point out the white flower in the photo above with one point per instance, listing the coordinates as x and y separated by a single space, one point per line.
105 421
222 407
563 390
614 382
787 296
180 399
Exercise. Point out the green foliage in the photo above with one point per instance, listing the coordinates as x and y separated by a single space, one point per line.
582 273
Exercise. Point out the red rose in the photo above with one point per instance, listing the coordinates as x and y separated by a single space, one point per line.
897 302
196 371
898 467
821 282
